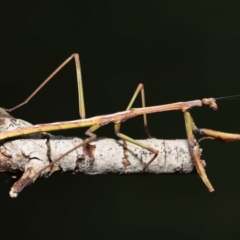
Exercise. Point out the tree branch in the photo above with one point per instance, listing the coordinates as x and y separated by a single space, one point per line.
31 153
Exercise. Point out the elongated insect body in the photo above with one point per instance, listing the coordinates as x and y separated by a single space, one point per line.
117 118
99 120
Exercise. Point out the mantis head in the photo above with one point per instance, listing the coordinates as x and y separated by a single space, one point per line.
211 102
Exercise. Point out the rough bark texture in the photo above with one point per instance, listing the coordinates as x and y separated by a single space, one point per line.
33 152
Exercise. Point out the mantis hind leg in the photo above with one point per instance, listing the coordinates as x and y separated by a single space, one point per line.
28 177
92 137
74 56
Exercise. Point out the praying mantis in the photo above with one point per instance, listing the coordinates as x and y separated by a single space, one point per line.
96 122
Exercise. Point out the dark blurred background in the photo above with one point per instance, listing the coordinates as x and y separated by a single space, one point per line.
180 50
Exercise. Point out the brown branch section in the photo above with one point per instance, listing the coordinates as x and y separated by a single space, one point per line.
31 153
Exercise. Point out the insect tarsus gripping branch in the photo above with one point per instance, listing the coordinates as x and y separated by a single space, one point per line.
117 118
